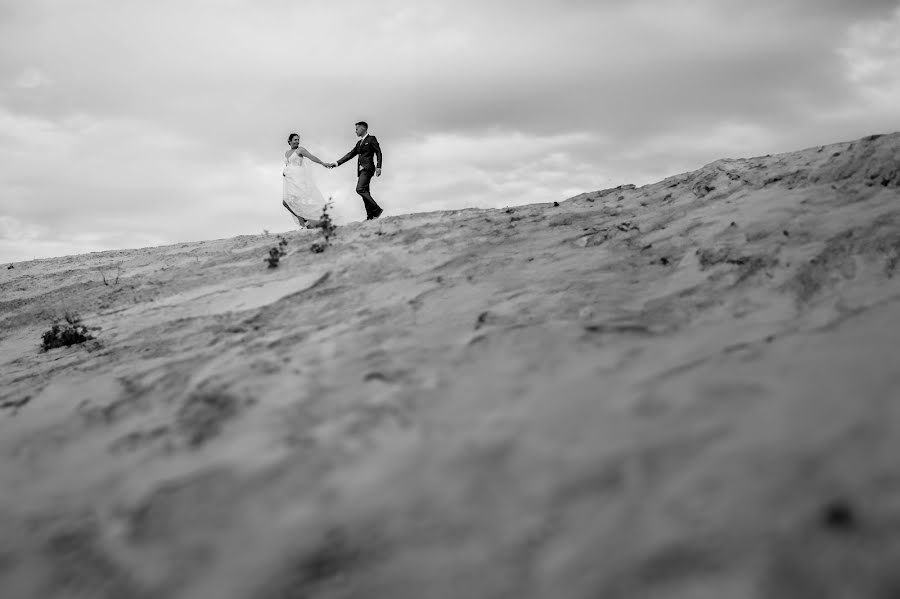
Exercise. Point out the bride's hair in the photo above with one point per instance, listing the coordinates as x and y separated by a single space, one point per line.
292 136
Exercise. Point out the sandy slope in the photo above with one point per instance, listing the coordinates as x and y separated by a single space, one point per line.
689 389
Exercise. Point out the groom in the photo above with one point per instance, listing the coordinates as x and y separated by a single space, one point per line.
365 148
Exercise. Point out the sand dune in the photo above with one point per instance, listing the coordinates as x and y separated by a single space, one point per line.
687 389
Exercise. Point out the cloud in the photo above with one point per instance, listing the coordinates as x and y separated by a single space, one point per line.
872 54
31 78
492 169
162 122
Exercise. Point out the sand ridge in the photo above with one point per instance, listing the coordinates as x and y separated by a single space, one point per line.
664 391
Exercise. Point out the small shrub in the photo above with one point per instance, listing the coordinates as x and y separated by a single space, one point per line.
273 258
327 228
65 334
116 281
276 252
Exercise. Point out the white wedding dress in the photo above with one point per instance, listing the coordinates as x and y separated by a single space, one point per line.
300 191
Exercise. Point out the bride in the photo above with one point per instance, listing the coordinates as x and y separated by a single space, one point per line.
300 195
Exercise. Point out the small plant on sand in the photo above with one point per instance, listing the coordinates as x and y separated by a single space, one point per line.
276 252
116 281
64 334
327 228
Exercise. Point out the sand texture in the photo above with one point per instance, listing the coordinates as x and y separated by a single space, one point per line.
687 389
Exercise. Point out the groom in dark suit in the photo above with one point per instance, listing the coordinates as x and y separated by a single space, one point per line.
365 148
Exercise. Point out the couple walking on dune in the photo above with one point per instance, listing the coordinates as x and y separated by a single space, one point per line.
302 197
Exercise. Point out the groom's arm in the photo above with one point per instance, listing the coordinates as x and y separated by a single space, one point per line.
377 151
348 155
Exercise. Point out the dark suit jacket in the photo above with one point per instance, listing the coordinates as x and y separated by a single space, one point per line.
365 150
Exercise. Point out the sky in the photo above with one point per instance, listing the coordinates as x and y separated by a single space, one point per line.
129 123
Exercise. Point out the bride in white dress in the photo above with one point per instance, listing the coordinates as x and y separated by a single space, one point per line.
301 195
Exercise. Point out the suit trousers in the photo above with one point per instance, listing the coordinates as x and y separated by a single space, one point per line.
362 188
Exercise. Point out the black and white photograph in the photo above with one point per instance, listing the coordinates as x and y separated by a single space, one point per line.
486 299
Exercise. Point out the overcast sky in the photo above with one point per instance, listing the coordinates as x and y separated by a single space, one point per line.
128 123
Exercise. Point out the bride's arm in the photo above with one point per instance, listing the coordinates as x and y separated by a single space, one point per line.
304 152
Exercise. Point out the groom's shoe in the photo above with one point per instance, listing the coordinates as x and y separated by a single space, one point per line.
375 215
